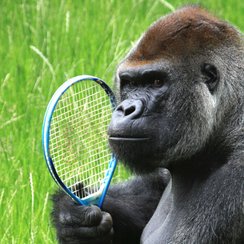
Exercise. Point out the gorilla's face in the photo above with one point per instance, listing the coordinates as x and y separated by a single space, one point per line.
170 89
166 113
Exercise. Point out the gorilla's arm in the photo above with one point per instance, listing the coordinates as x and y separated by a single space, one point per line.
126 210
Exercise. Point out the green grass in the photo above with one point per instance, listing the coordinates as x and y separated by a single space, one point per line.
42 43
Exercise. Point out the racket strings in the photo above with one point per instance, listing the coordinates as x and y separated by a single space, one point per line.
78 137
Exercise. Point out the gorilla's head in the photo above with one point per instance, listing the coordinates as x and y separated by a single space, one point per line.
181 91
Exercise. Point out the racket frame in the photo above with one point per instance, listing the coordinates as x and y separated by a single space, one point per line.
96 198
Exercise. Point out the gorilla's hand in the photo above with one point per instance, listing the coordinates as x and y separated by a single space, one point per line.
80 224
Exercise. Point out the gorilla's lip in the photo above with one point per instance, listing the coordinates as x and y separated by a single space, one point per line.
125 138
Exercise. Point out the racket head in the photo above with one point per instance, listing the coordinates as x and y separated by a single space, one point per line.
65 138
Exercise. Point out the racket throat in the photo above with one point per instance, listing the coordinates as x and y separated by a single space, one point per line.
94 198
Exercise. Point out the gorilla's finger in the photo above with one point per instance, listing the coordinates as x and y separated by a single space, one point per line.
82 216
102 229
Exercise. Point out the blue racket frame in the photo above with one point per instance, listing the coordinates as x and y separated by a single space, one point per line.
94 199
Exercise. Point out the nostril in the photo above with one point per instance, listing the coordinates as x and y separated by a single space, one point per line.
126 110
120 109
129 110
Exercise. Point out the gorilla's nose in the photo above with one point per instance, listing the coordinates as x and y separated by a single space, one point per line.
131 109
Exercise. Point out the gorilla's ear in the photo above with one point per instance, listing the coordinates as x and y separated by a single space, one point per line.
211 76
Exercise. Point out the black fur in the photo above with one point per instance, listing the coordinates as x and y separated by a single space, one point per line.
182 108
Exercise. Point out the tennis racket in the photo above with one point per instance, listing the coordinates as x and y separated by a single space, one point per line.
74 138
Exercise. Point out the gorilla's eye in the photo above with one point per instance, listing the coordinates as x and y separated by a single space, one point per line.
212 76
126 82
155 78
126 79
157 82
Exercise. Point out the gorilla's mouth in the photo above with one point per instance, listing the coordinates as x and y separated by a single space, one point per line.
128 138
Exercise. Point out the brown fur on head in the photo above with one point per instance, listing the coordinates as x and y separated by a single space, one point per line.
190 29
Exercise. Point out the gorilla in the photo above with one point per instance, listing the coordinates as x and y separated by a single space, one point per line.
180 127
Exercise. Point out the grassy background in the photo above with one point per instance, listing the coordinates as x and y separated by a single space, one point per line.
42 43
